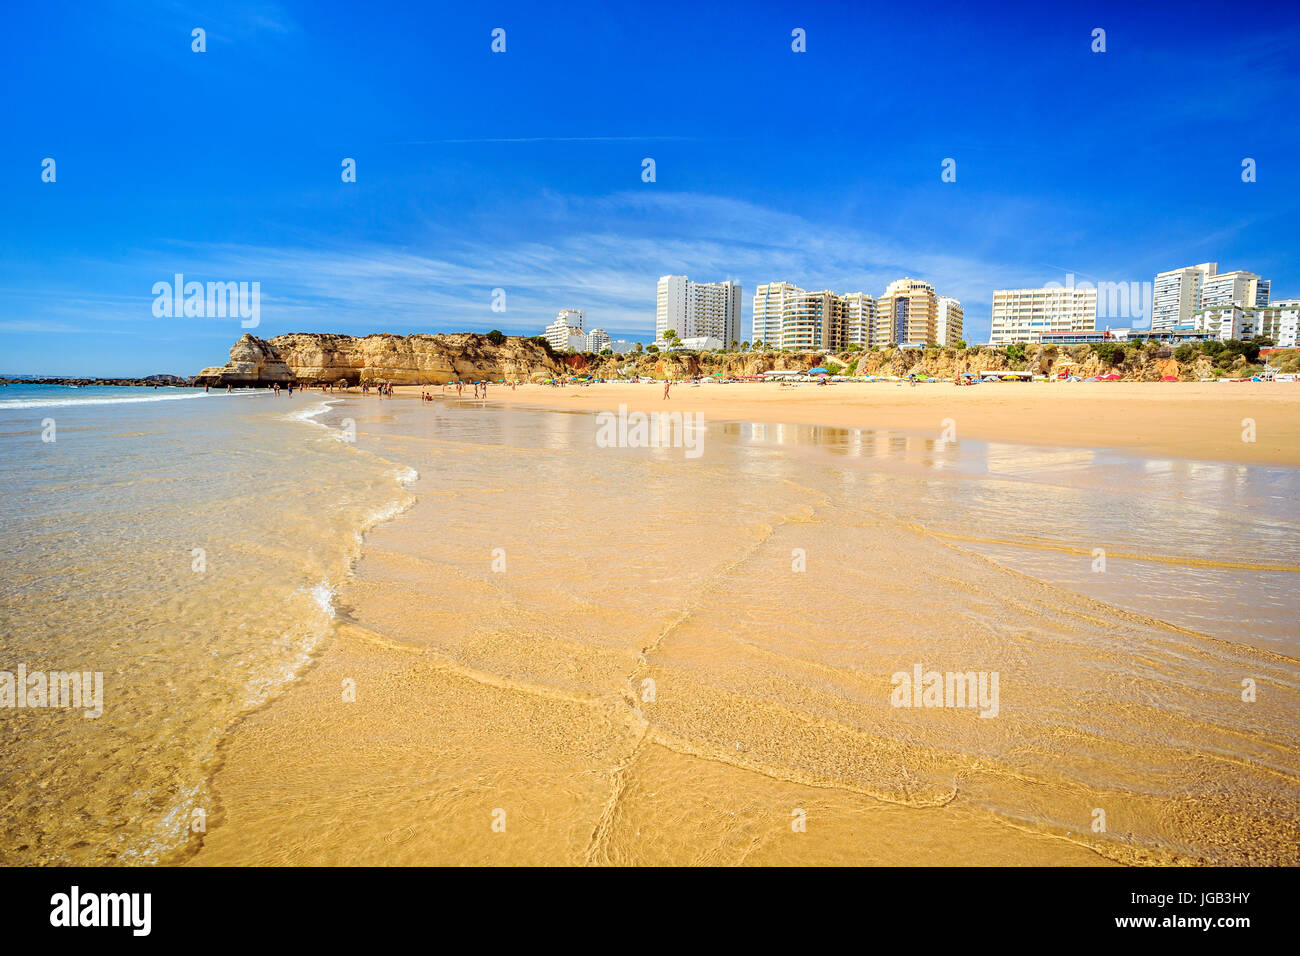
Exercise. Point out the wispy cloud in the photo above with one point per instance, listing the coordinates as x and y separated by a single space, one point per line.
600 254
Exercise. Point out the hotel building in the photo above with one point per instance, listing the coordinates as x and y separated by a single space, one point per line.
1176 295
770 303
1025 315
948 321
1277 322
1234 288
697 309
1180 293
859 318
788 317
907 314
597 339
565 333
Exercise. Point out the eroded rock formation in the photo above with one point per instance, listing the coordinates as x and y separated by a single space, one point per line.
316 358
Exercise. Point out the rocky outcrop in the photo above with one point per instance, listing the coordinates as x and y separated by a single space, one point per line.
252 362
312 359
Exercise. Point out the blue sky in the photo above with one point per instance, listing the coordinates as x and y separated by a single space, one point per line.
522 170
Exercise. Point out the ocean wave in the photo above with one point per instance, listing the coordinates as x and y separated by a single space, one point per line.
309 413
56 402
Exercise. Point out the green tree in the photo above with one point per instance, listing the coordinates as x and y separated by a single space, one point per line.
1186 352
496 337
961 343
652 348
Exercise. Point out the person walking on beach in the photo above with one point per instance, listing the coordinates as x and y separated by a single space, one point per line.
667 384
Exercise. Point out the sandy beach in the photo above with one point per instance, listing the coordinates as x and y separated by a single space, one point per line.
1200 420
565 654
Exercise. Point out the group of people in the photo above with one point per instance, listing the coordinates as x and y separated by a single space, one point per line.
380 388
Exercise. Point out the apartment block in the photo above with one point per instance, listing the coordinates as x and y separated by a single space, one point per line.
565 333
1234 288
786 316
948 321
859 318
770 303
1025 315
1277 322
1176 295
907 314
697 309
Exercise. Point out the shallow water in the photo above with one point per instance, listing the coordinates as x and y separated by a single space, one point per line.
184 545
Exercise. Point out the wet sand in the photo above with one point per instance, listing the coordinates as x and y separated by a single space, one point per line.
565 655
1180 419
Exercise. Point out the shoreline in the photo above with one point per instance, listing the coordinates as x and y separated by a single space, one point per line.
1188 420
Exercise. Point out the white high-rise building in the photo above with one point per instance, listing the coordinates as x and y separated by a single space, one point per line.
697 309
565 333
1023 315
770 303
859 318
1176 295
597 339
573 317
947 321
786 316
1234 288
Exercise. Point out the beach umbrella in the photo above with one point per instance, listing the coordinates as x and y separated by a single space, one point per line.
818 371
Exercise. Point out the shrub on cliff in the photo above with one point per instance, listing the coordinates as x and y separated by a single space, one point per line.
1112 353
496 337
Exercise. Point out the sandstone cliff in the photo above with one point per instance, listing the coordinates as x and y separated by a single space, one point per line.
311 358
1147 363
